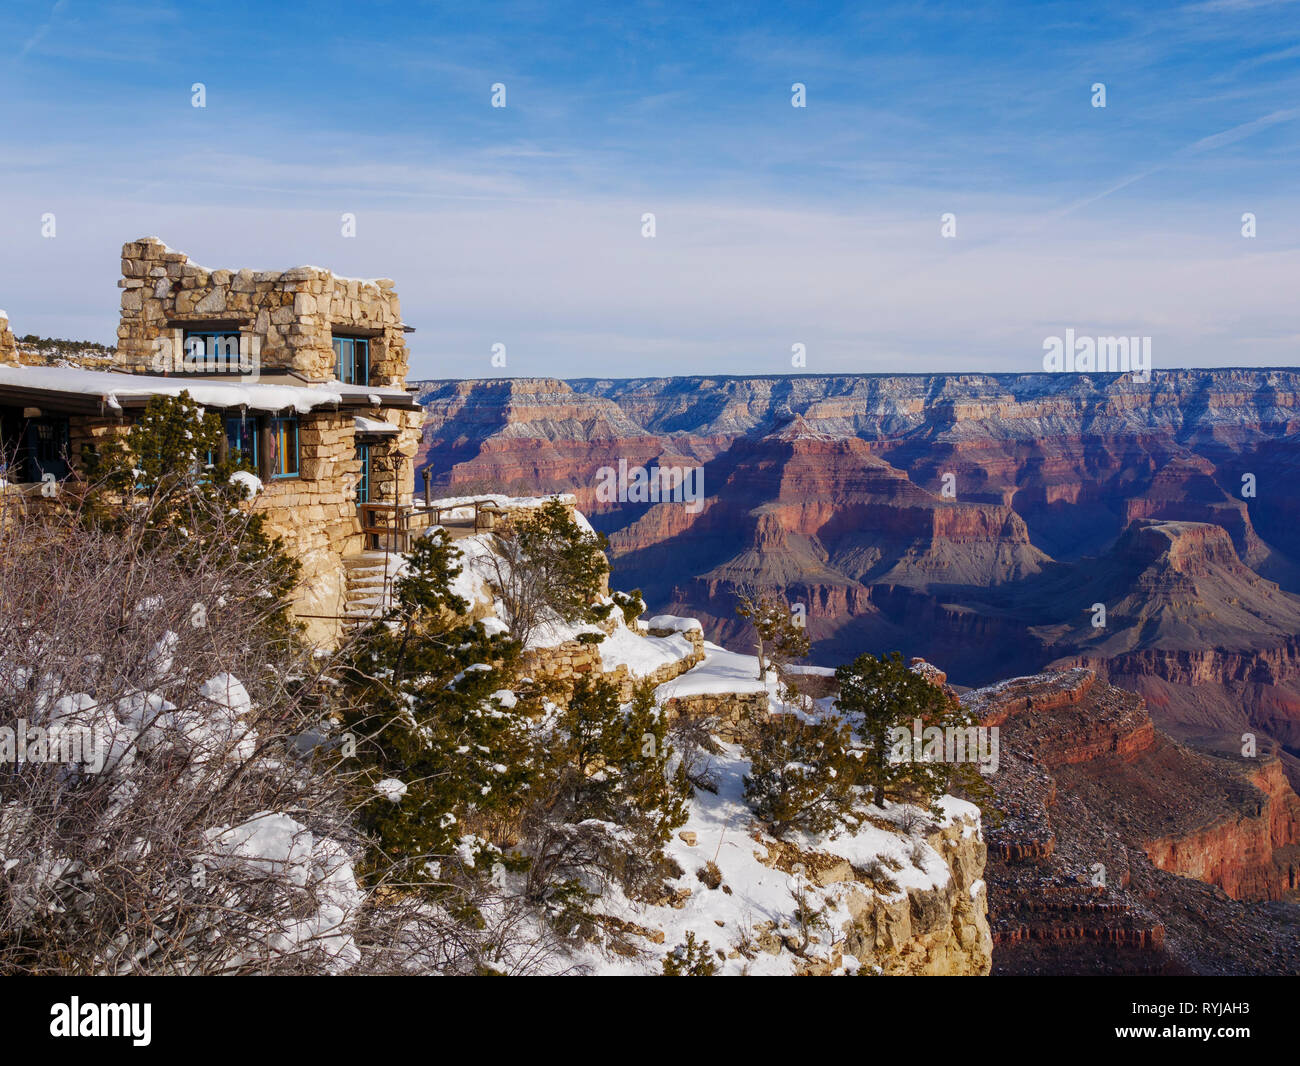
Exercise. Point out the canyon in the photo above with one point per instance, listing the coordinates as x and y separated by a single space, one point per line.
1141 534
973 520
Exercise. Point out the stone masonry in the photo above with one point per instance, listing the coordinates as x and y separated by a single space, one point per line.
293 314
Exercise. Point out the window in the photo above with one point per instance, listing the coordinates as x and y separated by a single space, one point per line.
284 447
45 448
352 360
363 482
241 442
212 351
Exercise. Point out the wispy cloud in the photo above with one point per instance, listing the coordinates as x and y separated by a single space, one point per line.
775 224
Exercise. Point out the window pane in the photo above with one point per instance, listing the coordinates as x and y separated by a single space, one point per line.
241 441
363 483
214 351
352 360
284 463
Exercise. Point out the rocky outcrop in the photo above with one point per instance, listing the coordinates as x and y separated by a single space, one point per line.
939 929
1071 717
1252 855
1100 823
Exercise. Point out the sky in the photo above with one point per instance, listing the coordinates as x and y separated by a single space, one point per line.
774 226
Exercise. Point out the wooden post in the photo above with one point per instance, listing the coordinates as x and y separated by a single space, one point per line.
265 445
428 480
399 532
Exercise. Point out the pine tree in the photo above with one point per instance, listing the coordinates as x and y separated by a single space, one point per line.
431 705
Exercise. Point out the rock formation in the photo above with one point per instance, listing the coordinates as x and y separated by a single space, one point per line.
1116 849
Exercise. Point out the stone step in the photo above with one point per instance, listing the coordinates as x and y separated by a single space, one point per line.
369 559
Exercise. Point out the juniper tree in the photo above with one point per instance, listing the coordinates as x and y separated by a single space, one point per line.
548 568
429 704
880 695
801 773
690 959
609 803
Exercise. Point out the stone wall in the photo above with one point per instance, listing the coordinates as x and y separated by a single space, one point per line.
8 346
293 313
568 662
731 709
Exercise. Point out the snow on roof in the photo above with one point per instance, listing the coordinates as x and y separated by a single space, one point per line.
111 387
372 425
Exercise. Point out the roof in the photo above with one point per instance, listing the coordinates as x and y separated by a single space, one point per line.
90 390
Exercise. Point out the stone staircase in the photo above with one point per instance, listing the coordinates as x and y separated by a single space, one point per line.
369 589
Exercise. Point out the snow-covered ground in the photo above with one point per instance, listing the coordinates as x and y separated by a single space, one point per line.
721 671
641 655
723 828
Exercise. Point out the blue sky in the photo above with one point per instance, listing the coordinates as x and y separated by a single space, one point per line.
774 225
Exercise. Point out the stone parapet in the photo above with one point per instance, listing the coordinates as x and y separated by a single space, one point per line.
292 314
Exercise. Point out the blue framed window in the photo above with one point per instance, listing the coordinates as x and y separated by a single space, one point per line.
352 360
363 482
241 442
284 447
212 351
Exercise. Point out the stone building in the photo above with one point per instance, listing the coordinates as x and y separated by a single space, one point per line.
308 370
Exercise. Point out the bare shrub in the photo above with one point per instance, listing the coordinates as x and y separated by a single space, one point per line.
185 835
692 738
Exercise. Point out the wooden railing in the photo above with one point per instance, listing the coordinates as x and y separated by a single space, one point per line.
388 527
